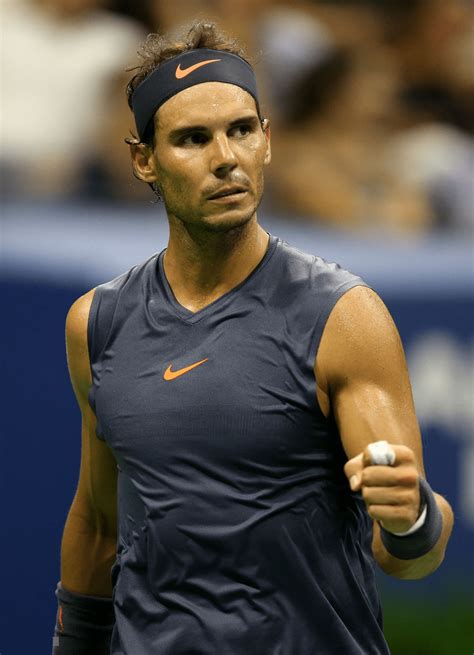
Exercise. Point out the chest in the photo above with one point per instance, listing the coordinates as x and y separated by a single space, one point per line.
240 381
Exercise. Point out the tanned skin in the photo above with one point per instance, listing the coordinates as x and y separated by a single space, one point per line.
209 138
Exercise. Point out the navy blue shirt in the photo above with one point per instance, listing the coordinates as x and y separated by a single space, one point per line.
238 532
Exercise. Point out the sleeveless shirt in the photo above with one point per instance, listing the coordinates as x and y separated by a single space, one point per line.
238 532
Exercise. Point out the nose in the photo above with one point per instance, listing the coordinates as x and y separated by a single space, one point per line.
223 159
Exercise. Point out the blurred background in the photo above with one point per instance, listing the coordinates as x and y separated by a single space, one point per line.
372 111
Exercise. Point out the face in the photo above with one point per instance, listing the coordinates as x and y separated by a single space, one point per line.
209 155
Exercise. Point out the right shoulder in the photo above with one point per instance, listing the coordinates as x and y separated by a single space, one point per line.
78 314
78 318
77 344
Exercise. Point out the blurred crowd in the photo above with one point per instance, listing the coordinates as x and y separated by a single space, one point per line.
371 104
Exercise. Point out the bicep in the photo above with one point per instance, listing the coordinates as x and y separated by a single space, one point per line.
364 364
95 499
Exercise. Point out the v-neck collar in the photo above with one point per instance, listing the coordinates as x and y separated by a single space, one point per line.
193 317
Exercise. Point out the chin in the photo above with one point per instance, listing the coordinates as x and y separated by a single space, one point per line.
227 221
220 220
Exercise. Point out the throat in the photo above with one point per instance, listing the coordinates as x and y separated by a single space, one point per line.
200 276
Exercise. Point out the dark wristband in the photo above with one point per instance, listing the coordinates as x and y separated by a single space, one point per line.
83 624
422 540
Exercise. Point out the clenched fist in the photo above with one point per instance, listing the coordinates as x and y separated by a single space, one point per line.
391 493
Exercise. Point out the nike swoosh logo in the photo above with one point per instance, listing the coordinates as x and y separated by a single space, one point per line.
183 72
171 375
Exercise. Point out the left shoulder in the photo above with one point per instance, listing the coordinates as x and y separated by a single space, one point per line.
315 275
361 313
360 339
357 310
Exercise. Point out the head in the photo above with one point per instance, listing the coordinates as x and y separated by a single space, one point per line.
207 137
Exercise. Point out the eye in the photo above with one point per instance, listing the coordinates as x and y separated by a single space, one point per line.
242 130
194 139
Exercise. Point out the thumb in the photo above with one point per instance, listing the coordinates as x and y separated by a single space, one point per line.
353 470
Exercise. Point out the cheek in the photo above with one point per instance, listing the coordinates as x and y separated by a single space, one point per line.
253 158
179 178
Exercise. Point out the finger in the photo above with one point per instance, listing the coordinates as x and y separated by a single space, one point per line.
388 496
353 470
389 476
395 518
403 454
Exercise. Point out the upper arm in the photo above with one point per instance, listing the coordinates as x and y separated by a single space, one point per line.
95 499
361 364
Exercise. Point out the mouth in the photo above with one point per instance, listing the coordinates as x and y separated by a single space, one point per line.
229 194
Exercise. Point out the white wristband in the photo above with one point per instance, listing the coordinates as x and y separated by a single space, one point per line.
416 525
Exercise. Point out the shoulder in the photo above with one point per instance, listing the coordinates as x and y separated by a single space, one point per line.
136 274
78 317
314 270
77 345
105 296
311 287
360 337
359 313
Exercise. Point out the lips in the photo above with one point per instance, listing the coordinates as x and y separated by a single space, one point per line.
227 191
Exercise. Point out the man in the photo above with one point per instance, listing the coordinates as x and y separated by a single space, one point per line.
243 394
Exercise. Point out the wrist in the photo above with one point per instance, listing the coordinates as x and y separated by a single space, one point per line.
423 534
420 521
84 624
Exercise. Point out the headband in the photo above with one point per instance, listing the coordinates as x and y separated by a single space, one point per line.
185 70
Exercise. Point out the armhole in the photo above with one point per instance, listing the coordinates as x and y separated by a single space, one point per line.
327 308
99 326
93 351
90 328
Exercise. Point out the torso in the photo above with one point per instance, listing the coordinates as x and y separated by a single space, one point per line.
234 509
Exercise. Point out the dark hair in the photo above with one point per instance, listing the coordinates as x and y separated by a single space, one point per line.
159 48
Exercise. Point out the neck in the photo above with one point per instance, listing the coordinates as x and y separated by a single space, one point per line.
201 266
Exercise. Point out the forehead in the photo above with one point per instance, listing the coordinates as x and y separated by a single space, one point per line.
204 104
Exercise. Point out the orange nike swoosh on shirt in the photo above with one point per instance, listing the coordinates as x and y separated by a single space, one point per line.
171 375
183 72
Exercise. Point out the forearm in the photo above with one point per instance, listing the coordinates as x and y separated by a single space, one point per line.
88 552
422 566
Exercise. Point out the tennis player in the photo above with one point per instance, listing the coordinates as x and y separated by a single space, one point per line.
248 423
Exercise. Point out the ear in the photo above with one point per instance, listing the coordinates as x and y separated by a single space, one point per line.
266 131
143 162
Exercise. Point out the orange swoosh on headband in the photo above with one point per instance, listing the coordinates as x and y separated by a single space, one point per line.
183 72
171 375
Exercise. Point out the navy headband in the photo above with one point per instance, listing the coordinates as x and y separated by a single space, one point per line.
185 70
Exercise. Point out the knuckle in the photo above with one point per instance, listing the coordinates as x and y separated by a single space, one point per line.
409 477
348 467
406 452
366 493
406 500
372 512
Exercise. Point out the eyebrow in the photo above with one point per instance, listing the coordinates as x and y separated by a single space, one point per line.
175 134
